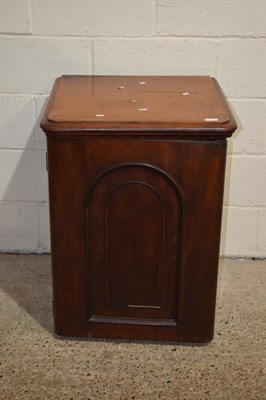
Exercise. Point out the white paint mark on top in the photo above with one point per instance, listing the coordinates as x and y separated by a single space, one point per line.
143 109
142 83
99 115
185 93
211 119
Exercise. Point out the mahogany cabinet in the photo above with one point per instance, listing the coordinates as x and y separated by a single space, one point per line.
136 175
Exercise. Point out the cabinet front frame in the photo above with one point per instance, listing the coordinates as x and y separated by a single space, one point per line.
197 168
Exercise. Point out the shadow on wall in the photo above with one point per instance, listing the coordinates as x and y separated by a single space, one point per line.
24 217
23 179
225 236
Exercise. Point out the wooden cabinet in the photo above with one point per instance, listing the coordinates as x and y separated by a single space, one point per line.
136 174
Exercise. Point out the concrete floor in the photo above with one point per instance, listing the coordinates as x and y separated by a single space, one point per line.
36 364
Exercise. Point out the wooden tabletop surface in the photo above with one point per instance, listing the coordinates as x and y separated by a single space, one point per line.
137 102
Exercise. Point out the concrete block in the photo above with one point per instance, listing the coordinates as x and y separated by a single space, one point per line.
250 137
245 181
17 118
211 18
44 228
19 227
31 65
152 57
23 175
241 68
14 16
261 239
93 18
238 237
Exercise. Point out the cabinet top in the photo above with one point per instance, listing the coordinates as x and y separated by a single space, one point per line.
114 106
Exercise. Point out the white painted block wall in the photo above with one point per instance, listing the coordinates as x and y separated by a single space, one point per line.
43 39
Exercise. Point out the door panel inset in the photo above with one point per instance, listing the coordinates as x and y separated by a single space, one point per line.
133 280
133 230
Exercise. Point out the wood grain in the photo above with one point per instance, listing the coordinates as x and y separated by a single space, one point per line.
111 106
135 217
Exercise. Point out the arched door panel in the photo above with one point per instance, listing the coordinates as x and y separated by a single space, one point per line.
133 235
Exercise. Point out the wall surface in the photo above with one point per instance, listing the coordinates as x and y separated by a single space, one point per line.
43 39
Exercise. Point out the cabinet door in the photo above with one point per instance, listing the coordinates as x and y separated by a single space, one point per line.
133 239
